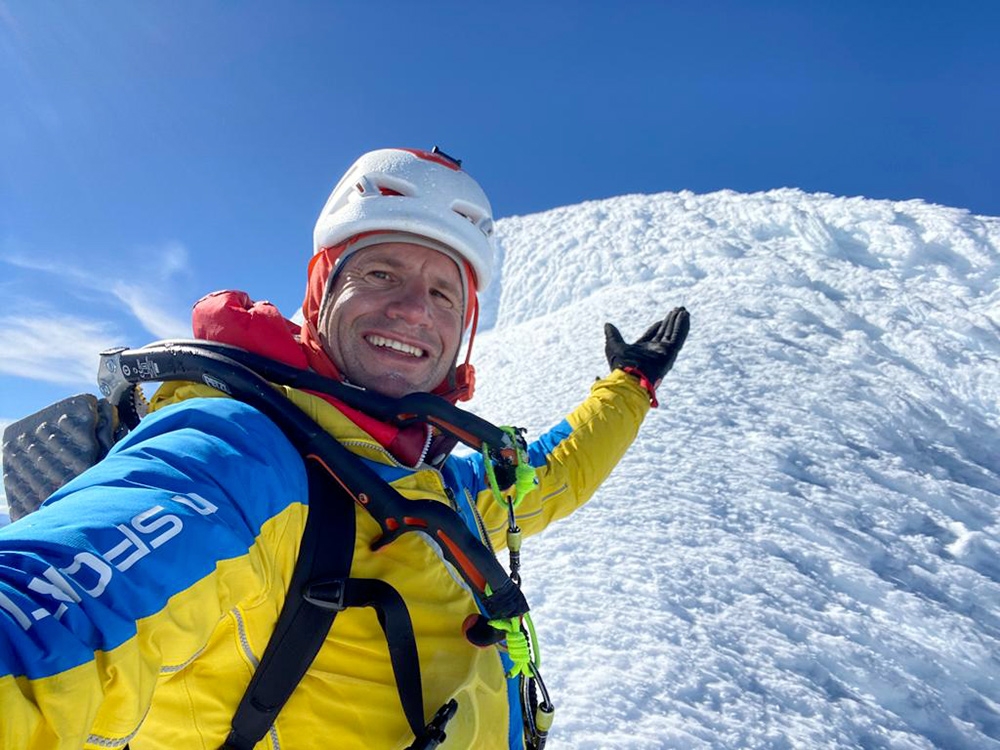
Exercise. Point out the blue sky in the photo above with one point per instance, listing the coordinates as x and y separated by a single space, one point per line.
153 152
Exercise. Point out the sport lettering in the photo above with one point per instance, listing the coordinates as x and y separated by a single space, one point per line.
145 523
96 565
57 587
91 574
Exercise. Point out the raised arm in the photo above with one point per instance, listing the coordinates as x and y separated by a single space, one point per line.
574 457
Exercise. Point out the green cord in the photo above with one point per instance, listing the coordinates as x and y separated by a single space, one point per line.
524 478
519 645
534 640
524 473
491 475
518 648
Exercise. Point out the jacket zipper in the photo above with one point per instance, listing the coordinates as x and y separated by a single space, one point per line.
479 522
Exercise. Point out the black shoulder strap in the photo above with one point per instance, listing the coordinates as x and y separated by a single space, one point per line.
319 589
302 626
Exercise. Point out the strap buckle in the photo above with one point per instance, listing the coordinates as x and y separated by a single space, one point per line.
434 734
328 595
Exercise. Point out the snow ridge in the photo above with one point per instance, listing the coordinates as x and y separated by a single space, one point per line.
803 547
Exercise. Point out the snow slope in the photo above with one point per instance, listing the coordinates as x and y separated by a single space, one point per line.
802 550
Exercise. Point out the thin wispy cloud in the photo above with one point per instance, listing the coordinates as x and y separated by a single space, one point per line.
57 317
55 349
140 302
147 298
172 260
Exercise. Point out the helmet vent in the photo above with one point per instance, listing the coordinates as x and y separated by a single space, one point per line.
467 211
474 215
367 187
386 184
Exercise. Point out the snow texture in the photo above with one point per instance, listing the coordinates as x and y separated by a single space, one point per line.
4 515
802 549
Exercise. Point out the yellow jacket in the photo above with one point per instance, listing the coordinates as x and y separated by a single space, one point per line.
192 527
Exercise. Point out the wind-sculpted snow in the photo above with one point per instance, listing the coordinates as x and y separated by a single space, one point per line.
802 549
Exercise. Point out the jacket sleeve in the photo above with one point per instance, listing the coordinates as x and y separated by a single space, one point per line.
573 458
124 573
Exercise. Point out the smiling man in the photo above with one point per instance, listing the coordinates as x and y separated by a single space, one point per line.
138 603
392 320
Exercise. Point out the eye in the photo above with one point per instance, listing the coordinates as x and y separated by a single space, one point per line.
445 299
378 274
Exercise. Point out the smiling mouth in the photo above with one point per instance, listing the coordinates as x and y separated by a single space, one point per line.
397 346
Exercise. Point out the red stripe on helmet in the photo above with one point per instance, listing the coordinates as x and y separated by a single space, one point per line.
436 158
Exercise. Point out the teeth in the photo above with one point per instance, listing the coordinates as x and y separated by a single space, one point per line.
399 346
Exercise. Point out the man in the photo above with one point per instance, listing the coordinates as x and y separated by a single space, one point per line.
136 603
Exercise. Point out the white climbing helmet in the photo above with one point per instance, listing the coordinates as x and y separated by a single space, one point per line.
422 193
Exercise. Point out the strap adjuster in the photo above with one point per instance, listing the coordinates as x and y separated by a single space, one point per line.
327 595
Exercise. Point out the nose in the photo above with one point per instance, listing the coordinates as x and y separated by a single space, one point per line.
411 304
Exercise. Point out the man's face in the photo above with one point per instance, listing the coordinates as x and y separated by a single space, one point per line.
395 321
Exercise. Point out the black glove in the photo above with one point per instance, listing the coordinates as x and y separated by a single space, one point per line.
652 356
